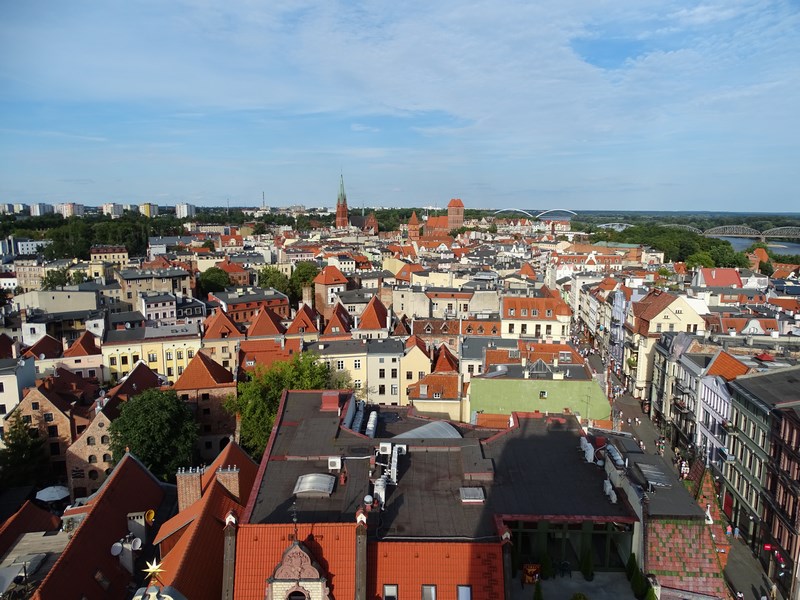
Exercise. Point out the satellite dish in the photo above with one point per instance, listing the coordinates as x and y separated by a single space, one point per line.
116 549
150 516
367 499
41 356
136 544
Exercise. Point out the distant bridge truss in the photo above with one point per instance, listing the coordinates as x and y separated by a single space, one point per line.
782 232
686 227
735 230
537 216
615 226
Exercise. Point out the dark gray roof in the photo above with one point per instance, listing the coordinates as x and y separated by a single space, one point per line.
473 348
151 273
387 346
773 387
249 294
123 317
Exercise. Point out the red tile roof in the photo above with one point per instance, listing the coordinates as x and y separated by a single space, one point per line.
455 203
27 519
47 347
83 346
265 323
129 488
203 372
374 315
557 306
339 319
260 548
721 277
727 366
410 565
404 274
305 321
446 385
265 352
330 275
445 360
219 326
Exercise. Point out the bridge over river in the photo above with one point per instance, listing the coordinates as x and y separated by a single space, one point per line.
724 230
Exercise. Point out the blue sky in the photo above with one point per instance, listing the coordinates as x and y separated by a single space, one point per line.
607 104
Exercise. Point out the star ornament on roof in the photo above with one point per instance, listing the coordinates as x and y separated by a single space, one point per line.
153 569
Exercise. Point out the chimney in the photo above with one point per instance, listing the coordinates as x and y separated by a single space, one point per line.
361 555
229 478
229 555
189 486
308 295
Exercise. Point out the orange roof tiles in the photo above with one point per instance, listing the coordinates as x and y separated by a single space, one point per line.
512 307
27 519
445 385
305 321
340 323
219 326
455 203
203 372
260 548
727 366
83 346
721 277
265 323
330 275
264 352
410 565
404 274
445 360
374 316
46 347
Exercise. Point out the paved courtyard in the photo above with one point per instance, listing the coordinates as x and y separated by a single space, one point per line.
604 586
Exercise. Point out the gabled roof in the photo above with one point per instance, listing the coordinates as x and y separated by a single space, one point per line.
129 488
203 372
220 326
339 319
140 378
265 323
330 275
721 277
455 203
527 271
27 519
47 347
727 366
83 346
444 386
415 340
264 352
401 328
374 315
413 220
404 274
445 360
305 321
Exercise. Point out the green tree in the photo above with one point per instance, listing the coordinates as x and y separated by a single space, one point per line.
274 278
258 399
158 428
766 268
303 274
208 244
56 278
699 259
23 461
77 277
214 280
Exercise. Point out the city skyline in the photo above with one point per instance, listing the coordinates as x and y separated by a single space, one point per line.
618 106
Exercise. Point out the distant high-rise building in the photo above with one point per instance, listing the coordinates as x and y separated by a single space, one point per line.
342 217
112 209
148 209
40 208
19 207
185 211
6 209
70 209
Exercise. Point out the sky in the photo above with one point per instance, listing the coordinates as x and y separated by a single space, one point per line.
577 104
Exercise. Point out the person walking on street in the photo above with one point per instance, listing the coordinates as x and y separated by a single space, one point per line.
736 533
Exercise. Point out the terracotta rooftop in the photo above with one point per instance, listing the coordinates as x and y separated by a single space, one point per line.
27 519
203 372
220 326
727 366
46 347
305 321
265 323
85 345
330 275
445 360
374 315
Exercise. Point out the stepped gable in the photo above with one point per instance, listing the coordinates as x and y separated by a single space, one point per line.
220 326
330 275
445 360
47 347
201 373
374 316
266 323
340 323
85 345
305 321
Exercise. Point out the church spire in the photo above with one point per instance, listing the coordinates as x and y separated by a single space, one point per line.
342 196
342 216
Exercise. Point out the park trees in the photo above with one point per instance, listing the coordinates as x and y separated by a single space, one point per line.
214 280
158 428
23 461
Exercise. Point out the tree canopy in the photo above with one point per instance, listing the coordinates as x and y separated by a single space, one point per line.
159 429
214 280
56 278
274 278
258 399
23 461
303 274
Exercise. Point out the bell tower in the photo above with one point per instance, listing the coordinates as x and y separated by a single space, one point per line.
342 218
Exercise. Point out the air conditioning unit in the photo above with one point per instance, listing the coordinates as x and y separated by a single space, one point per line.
543 394
385 448
334 463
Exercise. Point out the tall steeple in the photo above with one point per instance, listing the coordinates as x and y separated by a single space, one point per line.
342 217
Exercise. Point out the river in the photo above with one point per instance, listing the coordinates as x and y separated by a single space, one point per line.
778 247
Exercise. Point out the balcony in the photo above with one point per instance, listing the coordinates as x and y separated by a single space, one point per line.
681 406
726 455
729 428
683 388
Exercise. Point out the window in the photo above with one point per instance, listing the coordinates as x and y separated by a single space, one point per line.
511 328
112 361
512 312
2 407
357 363
34 406
92 459
409 375
169 371
26 419
549 312
470 369
90 441
382 373
169 355
189 353
135 358
180 370
340 365
389 592
92 372
93 475
179 354
437 394
123 360
464 592
204 396
394 373
357 384
428 592
421 374
395 390
381 390
55 449
48 417
523 328
105 439
151 357
52 431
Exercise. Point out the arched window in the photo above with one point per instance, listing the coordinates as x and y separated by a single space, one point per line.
92 459
296 596
106 458
90 441
105 439
93 475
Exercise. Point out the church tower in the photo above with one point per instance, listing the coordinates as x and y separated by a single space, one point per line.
455 214
413 227
342 218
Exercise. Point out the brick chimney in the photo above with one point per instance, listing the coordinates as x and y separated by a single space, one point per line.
308 295
229 478
189 483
